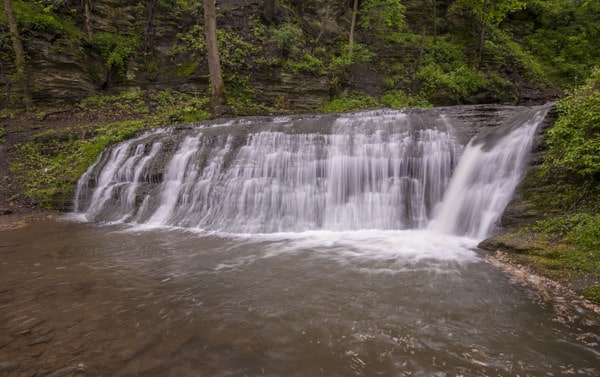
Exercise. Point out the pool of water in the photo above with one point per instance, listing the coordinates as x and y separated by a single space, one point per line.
113 300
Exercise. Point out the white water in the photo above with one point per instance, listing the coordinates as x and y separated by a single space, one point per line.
371 170
484 181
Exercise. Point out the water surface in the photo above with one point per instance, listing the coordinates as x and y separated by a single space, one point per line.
112 300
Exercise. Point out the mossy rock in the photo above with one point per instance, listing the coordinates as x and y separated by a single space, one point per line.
515 242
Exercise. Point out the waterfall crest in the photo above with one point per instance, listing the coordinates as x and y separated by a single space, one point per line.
370 170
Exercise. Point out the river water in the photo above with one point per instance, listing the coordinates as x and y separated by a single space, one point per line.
115 300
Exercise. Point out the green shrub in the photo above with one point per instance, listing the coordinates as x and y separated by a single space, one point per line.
32 15
574 141
308 64
382 19
398 99
234 51
195 110
353 102
455 84
289 38
117 49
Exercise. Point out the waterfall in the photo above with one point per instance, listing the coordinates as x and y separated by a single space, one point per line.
370 170
486 176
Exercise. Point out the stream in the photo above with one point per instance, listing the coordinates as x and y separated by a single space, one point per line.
86 299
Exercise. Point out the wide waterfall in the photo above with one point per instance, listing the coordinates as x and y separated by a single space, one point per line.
380 169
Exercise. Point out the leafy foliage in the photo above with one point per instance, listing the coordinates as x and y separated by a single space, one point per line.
565 38
490 12
383 19
117 49
352 102
289 38
574 141
455 84
398 99
35 15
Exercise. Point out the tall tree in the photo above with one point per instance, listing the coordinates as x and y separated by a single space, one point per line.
488 13
434 17
21 75
352 26
218 95
87 12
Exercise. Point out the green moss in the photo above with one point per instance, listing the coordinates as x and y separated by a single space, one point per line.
593 294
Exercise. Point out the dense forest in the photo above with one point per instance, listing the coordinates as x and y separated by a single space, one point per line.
291 55
77 75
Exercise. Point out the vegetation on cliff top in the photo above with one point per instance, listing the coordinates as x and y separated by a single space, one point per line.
438 52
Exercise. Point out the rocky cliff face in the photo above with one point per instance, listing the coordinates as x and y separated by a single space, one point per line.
166 55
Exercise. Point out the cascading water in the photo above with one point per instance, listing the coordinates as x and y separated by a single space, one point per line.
371 170
486 176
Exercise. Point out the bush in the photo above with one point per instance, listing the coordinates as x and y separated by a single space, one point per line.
32 15
574 141
117 49
455 84
398 99
289 38
353 102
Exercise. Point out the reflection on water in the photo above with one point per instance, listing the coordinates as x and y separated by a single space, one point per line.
82 299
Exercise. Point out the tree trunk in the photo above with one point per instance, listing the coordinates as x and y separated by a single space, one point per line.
421 48
487 4
21 75
87 11
218 97
352 27
434 21
148 27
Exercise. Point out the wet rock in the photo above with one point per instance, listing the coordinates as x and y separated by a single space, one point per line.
516 242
